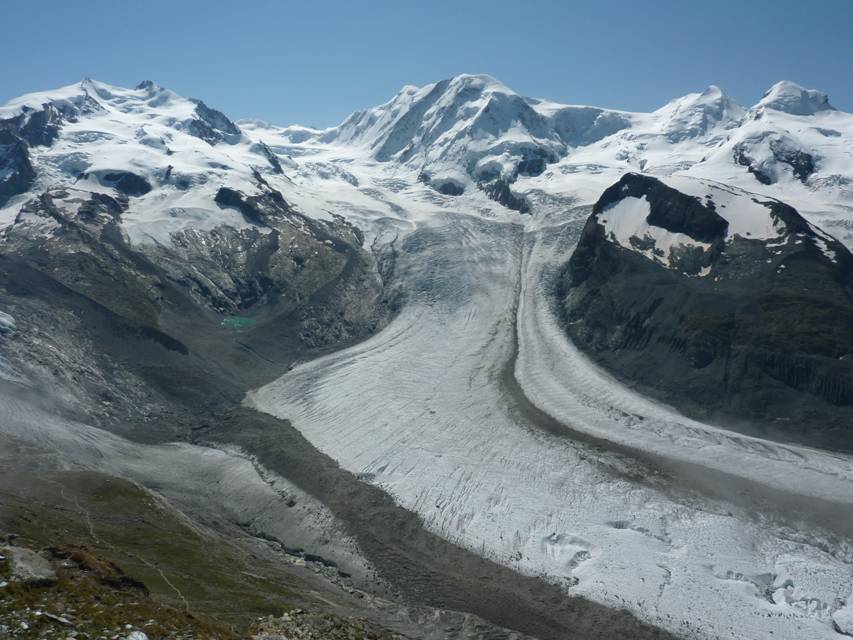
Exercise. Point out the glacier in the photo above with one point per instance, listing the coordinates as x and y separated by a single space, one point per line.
421 410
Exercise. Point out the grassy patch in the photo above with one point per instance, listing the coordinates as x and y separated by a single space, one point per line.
125 545
87 598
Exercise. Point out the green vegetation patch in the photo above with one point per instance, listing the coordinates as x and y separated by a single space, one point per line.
115 544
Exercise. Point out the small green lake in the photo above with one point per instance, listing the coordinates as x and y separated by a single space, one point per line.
237 322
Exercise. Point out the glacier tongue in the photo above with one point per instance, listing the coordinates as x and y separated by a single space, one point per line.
421 410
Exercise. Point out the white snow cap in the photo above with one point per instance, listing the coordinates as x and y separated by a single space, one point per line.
712 97
479 81
696 113
790 97
626 222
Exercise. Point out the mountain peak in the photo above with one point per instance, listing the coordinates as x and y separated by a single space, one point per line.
479 81
697 113
789 97
147 85
712 91
440 119
94 89
711 95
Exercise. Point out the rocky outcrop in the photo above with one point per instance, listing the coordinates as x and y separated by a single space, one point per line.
308 625
125 182
668 208
259 209
37 128
16 171
499 191
802 164
40 126
759 337
267 153
445 186
777 154
211 125
27 566
741 156
68 209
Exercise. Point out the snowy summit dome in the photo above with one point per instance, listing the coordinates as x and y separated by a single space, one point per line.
790 97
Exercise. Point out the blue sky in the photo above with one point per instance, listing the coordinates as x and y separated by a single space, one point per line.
313 62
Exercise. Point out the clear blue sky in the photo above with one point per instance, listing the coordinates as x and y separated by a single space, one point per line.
315 61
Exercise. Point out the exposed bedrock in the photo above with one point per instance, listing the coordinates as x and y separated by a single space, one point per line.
16 170
762 337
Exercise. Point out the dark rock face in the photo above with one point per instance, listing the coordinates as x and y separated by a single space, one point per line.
42 127
74 210
499 191
99 206
255 209
531 166
273 160
450 188
16 171
36 128
763 343
127 183
828 133
801 163
742 158
212 126
668 208
785 152
445 186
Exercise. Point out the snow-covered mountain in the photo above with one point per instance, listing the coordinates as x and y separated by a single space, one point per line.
159 262
169 154
472 131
